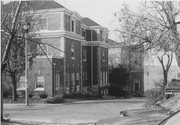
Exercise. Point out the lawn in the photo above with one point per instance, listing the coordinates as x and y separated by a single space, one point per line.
77 112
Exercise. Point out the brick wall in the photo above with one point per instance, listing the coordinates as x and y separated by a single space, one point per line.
73 65
41 66
58 86
55 42
86 67
95 64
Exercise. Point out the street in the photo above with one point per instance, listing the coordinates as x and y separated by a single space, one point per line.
72 113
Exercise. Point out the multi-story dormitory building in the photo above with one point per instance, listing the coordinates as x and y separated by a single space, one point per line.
77 55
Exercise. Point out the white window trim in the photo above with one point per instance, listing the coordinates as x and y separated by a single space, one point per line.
38 88
21 88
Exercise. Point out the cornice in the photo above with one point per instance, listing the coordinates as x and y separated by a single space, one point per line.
60 33
95 43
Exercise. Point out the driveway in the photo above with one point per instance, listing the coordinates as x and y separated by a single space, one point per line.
72 113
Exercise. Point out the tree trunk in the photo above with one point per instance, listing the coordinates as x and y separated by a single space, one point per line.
14 83
1 101
7 49
165 74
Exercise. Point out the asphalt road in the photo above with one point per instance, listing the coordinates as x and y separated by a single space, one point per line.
71 113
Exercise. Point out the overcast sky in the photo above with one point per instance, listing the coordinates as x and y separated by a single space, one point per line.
101 11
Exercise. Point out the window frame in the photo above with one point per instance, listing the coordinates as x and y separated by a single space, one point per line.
41 24
21 85
43 83
73 25
72 51
84 55
103 55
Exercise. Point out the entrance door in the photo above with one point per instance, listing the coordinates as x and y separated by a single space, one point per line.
136 87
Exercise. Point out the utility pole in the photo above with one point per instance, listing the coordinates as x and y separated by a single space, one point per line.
26 27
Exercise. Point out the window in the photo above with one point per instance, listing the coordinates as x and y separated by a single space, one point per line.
77 78
106 79
43 24
67 80
67 22
21 84
83 76
73 79
78 27
73 25
104 36
103 56
136 86
67 83
94 35
67 66
86 76
43 50
40 82
84 55
84 33
72 51
57 82
100 78
88 35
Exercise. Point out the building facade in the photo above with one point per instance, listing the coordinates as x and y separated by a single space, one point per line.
132 61
72 54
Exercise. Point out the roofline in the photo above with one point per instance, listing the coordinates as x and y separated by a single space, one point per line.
76 14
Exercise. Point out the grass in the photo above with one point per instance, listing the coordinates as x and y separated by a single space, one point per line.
39 100
22 100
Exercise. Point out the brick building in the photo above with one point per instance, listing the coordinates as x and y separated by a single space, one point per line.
74 56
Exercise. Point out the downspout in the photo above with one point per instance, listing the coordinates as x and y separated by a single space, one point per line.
81 68
91 60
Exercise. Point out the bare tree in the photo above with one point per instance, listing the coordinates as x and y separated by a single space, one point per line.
15 63
14 14
154 28
165 66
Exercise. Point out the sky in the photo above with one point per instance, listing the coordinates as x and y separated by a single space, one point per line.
101 11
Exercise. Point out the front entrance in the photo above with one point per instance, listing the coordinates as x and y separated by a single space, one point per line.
136 87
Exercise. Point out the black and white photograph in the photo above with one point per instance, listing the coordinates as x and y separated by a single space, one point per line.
90 62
